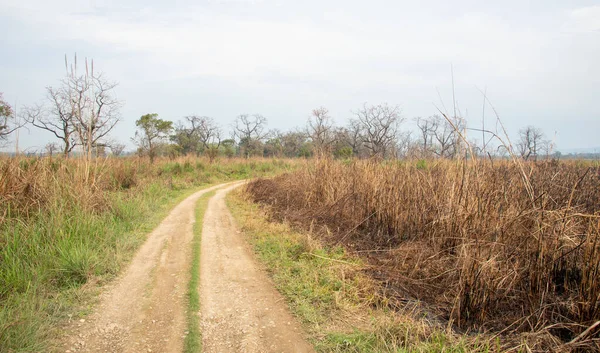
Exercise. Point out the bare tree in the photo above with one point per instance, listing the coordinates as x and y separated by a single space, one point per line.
51 147
379 128
445 136
320 129
117 148
81 111
93 105
426 126
250 131
210 137
440 136
209 133
57 119
7 121
355 138
404 144
531 142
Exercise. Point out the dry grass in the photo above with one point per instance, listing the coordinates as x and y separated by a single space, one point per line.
337 302
31 185
503 247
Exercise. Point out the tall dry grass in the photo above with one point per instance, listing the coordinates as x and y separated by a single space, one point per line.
490 245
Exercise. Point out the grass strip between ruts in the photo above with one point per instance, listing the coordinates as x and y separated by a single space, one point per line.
193 338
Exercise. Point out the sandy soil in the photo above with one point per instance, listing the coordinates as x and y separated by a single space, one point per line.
145 309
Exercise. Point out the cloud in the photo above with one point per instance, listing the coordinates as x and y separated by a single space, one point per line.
583 20
197 40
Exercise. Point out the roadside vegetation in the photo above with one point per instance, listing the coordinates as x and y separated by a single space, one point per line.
507 249
67 226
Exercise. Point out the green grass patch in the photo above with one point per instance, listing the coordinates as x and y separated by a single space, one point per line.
54 264
326 290
193 340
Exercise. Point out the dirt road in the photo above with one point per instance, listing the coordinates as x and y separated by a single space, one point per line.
241 310
145 309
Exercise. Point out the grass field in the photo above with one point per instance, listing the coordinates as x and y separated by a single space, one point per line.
505 248
67 227
372 256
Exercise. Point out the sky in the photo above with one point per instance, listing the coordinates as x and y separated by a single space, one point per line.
537 61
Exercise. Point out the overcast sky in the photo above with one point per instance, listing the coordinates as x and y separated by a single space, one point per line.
539 60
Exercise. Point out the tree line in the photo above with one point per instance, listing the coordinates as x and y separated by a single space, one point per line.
82 110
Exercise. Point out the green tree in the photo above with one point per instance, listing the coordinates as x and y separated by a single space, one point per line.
228 147
152 134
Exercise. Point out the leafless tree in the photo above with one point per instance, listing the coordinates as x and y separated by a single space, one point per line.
440 136
378 125
117 148
81 111
250 131
94 107
7 120
250 127
209 132
355 138
426 126
51 147
405 144
531 142
56 118
320 129
547 148
446 138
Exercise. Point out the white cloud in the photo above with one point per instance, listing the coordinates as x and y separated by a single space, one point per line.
584 19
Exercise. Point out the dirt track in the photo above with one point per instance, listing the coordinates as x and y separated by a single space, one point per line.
241 310
144 310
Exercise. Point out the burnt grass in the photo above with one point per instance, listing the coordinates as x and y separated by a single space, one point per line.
504 247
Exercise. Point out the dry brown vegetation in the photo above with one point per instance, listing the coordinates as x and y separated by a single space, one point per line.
505 247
